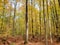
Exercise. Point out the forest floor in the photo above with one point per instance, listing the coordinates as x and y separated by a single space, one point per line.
20 41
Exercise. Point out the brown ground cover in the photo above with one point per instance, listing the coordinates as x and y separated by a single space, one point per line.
20 41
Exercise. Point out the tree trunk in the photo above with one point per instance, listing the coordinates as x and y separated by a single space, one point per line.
26 32
40 18
44 16
56 16
13 32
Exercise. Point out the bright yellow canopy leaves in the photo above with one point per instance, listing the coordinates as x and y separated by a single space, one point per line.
35 13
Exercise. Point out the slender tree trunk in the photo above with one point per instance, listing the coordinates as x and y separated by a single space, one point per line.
46 39
13 33
53 16
51 20
26 32
32 19
40 18
57 21
10 16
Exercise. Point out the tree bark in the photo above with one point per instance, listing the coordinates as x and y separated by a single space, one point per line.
13 32
56 16
40 18
26 17
44 16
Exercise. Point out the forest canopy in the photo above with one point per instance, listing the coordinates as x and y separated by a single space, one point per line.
13 16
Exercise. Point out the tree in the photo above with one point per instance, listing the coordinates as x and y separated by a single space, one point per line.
44 16
26 17
40 17
56 16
